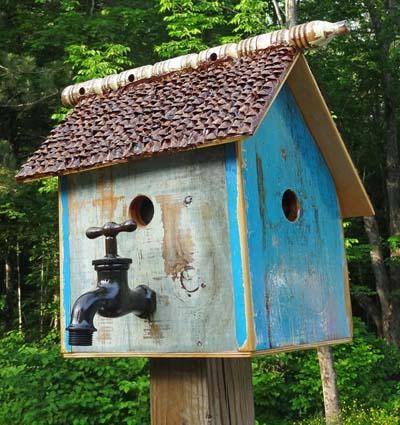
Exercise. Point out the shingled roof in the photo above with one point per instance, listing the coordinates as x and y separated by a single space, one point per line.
214 96
220 100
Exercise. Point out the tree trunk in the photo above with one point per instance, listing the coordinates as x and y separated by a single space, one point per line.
55 318
7 274
278 12
291 13
9 297
41 307
19 295
382 280
329 387
372 310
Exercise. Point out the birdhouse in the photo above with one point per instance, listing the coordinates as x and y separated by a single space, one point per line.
218 182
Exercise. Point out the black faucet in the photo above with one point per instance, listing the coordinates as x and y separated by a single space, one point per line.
112 296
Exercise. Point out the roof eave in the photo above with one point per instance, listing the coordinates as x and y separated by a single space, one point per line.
352 196
45 175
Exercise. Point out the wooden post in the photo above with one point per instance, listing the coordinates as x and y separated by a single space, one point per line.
201 392
329 387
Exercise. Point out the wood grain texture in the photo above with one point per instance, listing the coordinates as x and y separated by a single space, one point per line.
250 344
297 268
353 198
239 255
183 254
201 392
224 354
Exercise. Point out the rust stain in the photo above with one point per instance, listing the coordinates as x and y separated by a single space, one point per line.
105 199
105 330
72 207
155 331
75 205
125 210
178 246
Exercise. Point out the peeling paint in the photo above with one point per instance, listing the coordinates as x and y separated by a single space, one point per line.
105 199
155 330
261 196
178 245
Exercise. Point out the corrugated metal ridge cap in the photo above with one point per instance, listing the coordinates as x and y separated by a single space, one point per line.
307 35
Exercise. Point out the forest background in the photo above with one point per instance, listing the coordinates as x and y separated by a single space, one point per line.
46 45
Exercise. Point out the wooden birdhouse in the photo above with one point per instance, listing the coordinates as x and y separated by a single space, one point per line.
234 172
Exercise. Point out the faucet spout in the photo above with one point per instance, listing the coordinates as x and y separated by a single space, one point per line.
109 299
81 327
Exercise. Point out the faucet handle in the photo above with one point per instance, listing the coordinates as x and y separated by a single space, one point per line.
110 230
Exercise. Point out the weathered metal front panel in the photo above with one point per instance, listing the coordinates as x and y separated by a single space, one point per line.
298 268
183 253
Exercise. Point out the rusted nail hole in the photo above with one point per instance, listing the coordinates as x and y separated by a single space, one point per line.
188 200
131 78
290 205
141 210
82 91
213 57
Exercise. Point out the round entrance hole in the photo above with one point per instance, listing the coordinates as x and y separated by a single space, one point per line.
290 205
141 210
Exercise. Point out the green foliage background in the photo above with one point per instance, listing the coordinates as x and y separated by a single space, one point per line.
40 387
48 44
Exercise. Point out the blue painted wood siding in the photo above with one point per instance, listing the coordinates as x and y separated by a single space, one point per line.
65 259
232 176
297 269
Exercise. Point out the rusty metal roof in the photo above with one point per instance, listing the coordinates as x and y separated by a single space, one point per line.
219 101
